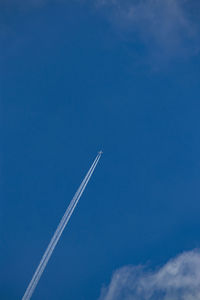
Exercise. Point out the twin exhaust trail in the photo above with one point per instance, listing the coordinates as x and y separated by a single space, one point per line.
61 226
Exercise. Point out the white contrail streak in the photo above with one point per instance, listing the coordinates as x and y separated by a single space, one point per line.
40 269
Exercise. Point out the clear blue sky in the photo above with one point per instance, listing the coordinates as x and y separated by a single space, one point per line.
76 78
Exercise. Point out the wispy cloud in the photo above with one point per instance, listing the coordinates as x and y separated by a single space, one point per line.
178 279
163 29
166 27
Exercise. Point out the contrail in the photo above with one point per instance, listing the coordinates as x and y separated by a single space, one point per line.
41 267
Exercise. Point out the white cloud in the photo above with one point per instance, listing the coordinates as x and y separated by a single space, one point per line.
166 29
178 279
165 26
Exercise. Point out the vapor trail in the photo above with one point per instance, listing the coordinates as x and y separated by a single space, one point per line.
41 267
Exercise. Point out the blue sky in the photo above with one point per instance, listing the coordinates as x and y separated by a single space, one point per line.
77 77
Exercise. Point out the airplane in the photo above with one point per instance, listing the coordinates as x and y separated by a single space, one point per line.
100 152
